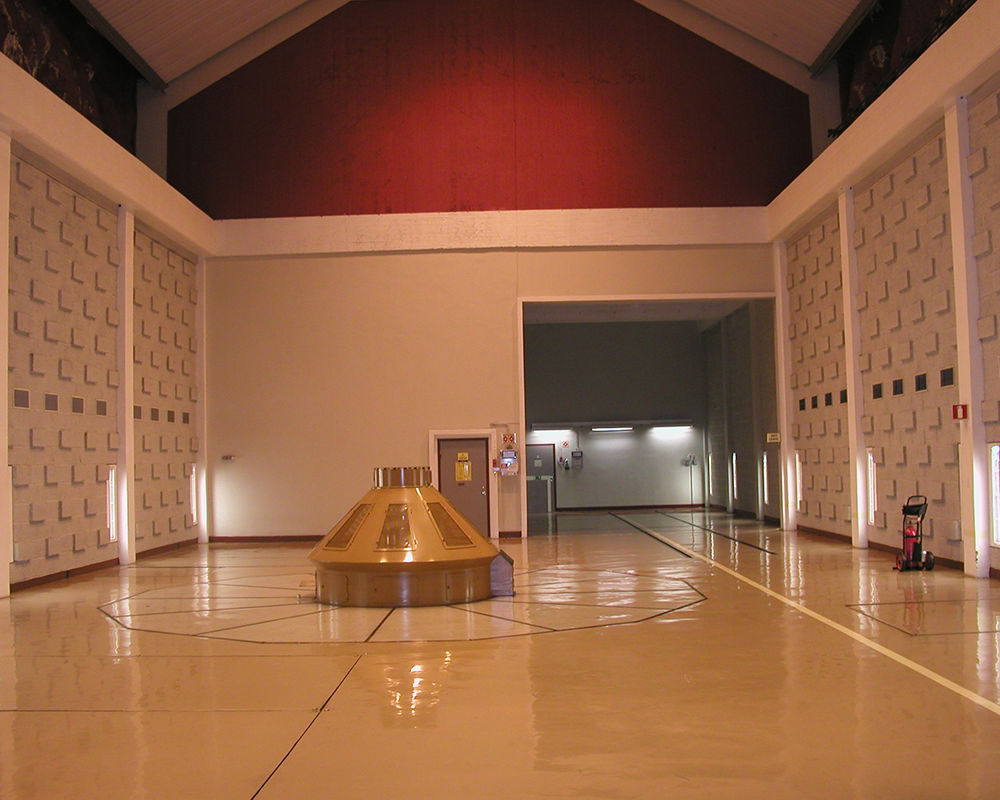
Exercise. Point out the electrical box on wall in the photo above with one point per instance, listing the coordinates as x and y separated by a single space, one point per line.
508 463
577 459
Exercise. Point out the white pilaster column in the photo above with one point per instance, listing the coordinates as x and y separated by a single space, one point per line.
783 360
756 427
973 467
727 446
6 500
126 394
857 457
522 419
201 410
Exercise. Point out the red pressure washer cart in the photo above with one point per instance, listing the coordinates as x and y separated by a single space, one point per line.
914 556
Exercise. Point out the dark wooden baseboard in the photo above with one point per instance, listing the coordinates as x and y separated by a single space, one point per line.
674 507
298 537
62 575
883 548
166 548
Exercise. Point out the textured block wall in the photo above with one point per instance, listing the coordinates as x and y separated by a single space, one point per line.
166 392
984 167
63 373
907 343
818 375
65 385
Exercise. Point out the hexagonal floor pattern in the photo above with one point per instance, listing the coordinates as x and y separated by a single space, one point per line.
282 607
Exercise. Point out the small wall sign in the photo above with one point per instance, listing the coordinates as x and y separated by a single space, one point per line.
463 468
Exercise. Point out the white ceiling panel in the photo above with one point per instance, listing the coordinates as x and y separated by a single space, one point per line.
801 29
170 37
173 36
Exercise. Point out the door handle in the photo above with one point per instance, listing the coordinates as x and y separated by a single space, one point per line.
484 491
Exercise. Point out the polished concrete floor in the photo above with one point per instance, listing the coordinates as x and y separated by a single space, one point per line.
645 655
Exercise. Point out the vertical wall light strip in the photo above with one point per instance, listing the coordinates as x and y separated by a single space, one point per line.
711 475
194 492
112 489
736 483
872 485
995 493
764 480
798 480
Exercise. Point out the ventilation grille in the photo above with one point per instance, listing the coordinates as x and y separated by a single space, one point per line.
342 539
395 529
451 534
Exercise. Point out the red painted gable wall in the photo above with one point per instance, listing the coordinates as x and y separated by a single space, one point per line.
449 105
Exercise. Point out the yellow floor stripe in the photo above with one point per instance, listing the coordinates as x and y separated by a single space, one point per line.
968 694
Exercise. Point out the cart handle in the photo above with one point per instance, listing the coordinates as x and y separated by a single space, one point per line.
916 506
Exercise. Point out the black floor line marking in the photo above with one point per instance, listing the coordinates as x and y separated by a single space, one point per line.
901 629
199 610
724 536
509 619
211 633
380 624
311 723
643 530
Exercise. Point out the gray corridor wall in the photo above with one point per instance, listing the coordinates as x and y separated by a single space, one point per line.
741 401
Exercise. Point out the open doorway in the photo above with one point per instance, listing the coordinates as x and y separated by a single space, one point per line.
540 477
654 403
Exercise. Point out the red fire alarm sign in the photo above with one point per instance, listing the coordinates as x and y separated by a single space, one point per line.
960 411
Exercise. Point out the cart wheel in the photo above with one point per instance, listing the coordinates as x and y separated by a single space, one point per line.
899 563
928 560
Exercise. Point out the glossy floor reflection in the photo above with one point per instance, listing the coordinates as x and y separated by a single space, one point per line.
645 655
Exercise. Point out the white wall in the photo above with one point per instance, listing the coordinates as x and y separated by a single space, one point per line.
323 368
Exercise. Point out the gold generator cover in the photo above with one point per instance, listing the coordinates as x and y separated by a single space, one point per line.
404 544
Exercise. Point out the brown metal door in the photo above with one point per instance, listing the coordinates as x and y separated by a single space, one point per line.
464 480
